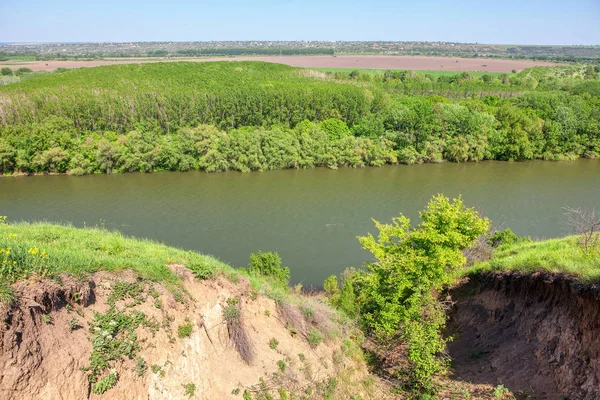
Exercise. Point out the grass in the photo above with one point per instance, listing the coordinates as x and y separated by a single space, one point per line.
77 252
554 256
185 330
435 73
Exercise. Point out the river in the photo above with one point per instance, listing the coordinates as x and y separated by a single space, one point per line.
311 217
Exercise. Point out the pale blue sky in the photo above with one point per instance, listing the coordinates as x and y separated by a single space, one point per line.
507 21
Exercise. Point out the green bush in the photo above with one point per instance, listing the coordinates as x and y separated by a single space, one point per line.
6 71
269 264
505 237
396 294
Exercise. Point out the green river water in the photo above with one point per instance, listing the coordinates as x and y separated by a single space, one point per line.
311 217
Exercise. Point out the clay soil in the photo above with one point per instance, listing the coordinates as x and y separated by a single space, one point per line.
538 335
359 62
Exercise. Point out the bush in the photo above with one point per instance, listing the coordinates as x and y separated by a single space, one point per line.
6 71
396 294
269 264
506 236
22 71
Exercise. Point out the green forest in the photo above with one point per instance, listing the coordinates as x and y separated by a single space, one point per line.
247 116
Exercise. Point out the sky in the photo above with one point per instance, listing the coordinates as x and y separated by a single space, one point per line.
484 21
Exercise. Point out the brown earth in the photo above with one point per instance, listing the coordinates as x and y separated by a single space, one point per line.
538 335
369 62
42 359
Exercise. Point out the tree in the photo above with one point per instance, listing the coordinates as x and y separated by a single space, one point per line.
397 293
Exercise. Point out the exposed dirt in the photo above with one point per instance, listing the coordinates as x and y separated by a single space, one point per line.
371 62
538 335
41 359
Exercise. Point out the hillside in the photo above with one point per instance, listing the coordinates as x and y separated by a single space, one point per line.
90 314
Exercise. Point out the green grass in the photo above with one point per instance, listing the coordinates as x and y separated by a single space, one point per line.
554 255
435 73
83 251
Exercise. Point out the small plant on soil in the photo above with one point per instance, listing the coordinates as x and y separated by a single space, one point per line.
190 389
247 395
47 318
201 269
122 290
140 366
74 324
314 338
105 383
232 314
273 343
267 313
113 338
155 368
235 391
185 330
500 391
281 365
301 356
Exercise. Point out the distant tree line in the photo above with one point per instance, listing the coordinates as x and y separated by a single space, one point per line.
259 116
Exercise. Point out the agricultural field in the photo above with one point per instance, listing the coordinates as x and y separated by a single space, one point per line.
377 62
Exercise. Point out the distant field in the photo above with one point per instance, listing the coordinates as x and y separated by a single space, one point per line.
419 63
476 74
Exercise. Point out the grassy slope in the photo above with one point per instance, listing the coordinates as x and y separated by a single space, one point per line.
554 255
80 251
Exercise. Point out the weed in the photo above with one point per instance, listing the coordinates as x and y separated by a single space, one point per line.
247 395
190 389
155 368
273 343
236 391
178 296
267 313
314 338
113 338
308 313
281 365
6 292
47 318
500 391
185 330
301 356
158 303
122 290
201 269
105 383
74 324
232 314
140 366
